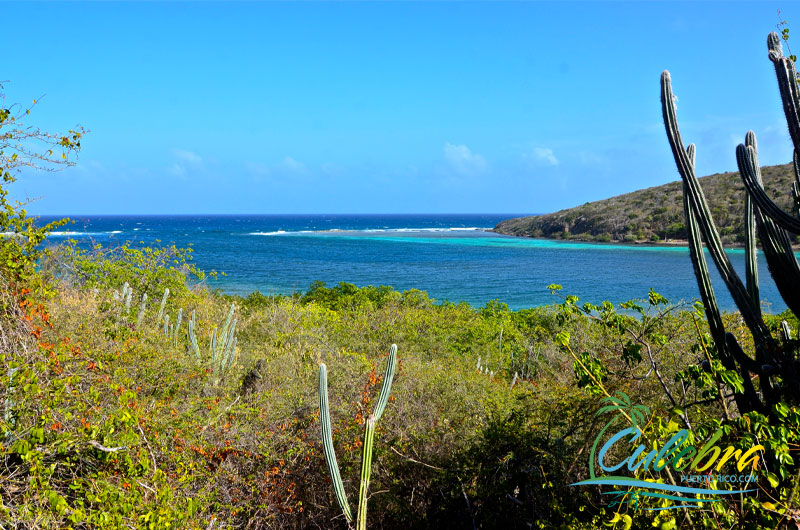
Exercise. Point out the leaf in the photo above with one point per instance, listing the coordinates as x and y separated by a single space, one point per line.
773 480
667 525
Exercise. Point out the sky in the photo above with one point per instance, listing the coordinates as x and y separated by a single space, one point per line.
380 107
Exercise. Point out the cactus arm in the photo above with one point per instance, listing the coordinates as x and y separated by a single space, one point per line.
787 84
327 444
774 240
366 471
750 313
178 322
232 355
786 331
193 339
781 262
142 309
770 209
796 183
214 352
722 341
166 325
796 198
228 349
386 387
703 279
751 253
162 306
226 326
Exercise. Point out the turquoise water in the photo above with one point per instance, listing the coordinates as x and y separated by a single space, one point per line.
449 256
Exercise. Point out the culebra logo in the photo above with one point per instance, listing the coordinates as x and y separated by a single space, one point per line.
679 461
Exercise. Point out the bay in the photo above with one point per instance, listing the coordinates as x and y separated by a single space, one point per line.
453 257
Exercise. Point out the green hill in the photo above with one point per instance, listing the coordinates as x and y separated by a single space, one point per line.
654 214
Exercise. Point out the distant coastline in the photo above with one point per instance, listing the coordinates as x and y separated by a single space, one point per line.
630 243
654 216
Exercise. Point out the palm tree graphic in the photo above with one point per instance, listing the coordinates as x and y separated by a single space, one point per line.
621 404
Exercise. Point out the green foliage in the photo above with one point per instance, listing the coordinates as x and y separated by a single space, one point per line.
149 270
26 146
346 295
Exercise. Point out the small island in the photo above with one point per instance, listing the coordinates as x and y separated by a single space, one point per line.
654 215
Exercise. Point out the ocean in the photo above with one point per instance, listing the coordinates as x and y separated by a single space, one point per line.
452 257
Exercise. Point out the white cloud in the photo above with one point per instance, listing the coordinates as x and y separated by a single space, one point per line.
187 157
544 155
463 161
293 166
184 161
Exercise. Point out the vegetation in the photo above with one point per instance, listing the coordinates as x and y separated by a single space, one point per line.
654 214
116 416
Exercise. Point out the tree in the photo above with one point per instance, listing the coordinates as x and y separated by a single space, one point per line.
24 146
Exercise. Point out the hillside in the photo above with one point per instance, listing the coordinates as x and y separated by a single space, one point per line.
654 214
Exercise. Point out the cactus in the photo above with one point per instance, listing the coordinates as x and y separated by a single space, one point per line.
193 339
166 325
162 306
142 309
222 349
369 436
775 364
177 327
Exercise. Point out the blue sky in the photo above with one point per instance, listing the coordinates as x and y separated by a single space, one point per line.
385 107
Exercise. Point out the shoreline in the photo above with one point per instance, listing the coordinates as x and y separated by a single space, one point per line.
640 243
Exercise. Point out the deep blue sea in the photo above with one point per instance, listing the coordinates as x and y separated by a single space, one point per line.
452 257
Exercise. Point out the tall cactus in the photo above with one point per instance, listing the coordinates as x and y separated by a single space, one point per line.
223 346
163 305
193 339
775 364
128 298
369 436
176 329
222 350
142 310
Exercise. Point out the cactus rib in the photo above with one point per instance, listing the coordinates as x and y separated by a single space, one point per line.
142 309
162 306
774 240
751 253
366 471
750 313
369 438
327 444
386 387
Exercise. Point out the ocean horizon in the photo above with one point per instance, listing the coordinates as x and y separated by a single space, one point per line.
453 257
